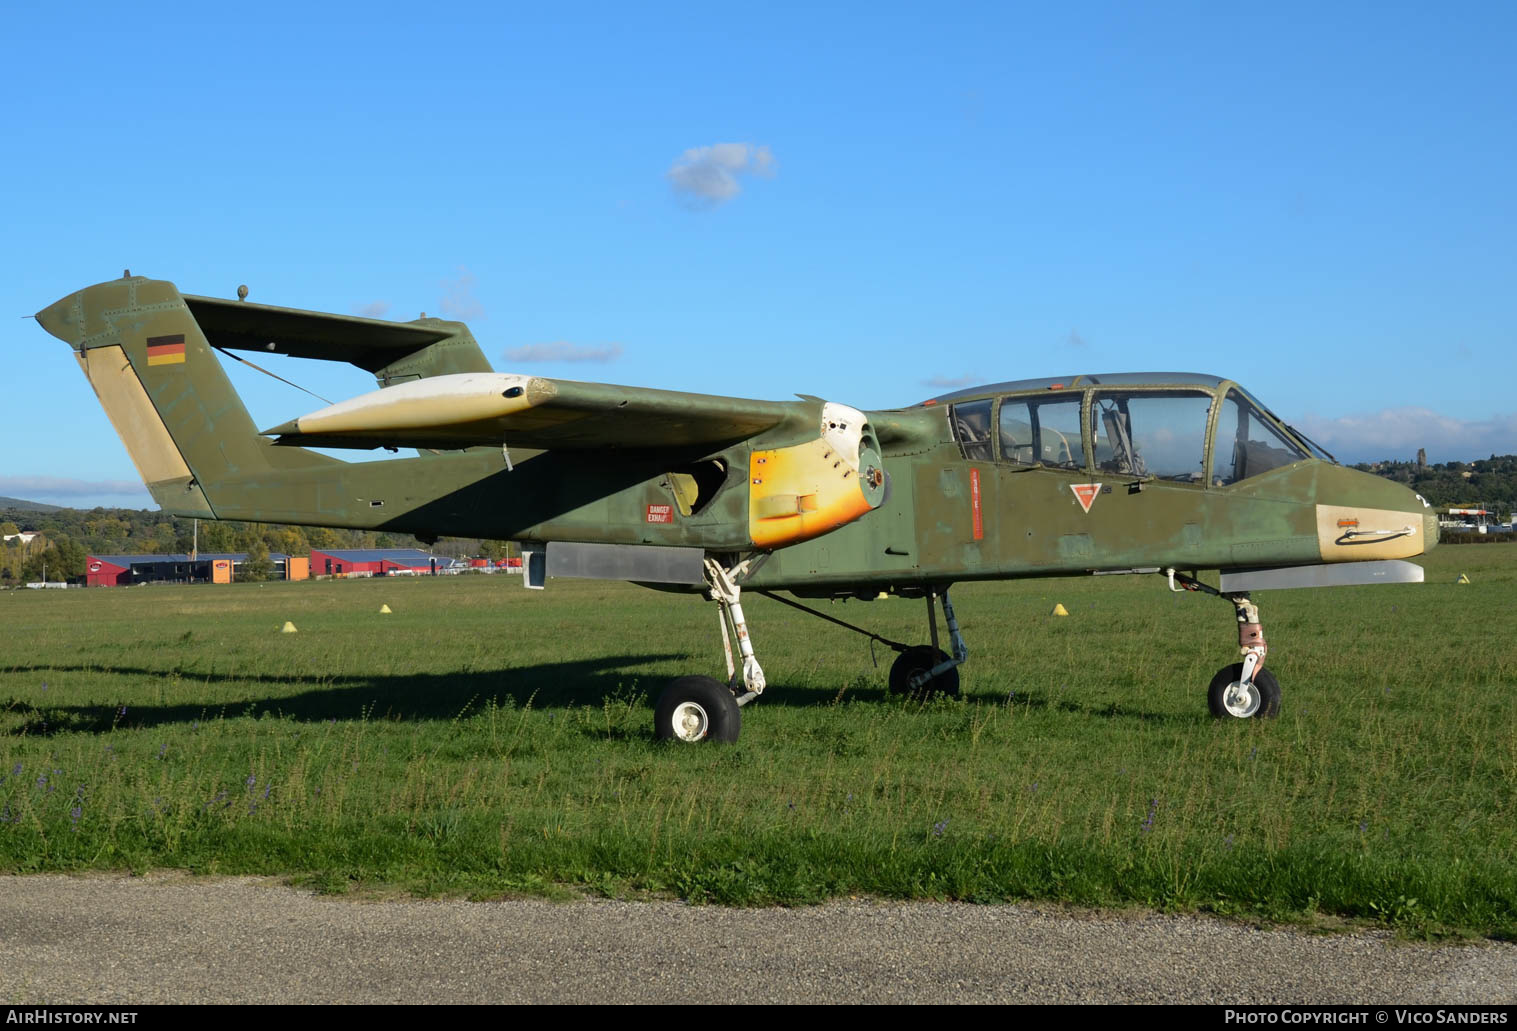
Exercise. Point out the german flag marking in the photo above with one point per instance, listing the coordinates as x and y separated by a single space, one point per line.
166 350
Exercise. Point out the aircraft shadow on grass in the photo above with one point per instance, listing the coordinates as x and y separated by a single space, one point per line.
417 696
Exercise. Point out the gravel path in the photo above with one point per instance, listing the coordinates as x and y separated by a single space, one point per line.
177 939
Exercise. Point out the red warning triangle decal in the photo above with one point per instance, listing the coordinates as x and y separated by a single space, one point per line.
1086 492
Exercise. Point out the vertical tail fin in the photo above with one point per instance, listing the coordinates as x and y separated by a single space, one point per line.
166 393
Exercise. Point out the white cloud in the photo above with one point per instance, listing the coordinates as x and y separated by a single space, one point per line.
705 177
563 351
1397 433
372 310
949 382
458 300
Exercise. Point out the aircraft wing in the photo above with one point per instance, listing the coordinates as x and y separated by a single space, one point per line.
473 409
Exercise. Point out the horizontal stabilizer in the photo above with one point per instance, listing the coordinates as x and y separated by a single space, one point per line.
1338 574
492 409
393 351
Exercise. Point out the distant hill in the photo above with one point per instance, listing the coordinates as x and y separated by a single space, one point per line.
27 506
1491 481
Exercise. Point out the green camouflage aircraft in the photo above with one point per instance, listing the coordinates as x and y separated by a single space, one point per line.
1163 472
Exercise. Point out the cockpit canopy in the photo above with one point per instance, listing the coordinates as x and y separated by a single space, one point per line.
1179 426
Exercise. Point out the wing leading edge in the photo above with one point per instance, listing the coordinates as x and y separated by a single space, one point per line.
491 409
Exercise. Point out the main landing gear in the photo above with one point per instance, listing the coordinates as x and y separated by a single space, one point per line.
920 670
925 670
703 708
1244 690
699 708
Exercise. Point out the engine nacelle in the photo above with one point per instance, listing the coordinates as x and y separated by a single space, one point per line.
803 491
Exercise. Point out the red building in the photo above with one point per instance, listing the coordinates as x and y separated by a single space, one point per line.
376 562
121 570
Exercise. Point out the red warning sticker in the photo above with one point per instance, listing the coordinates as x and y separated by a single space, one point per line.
974 504
660 513
1086 493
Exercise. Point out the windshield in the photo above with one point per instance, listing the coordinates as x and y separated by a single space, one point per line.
1247 444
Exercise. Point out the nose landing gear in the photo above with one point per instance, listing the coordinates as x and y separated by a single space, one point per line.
1244 690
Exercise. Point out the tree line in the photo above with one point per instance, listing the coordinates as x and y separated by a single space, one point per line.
69 535
1491 481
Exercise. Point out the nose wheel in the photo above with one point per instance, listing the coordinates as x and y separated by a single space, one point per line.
1245 690
1228 696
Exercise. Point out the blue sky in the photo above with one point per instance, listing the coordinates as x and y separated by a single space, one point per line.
874 203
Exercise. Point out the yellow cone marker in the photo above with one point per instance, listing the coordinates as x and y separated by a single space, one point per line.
1463 578
1059 610
384 610
288 628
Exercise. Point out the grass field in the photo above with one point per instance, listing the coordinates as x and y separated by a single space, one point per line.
486 740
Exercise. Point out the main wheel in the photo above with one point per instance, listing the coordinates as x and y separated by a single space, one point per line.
1226 696
697 709
921 659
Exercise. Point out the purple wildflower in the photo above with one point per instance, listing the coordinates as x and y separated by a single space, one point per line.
939 827
1153 811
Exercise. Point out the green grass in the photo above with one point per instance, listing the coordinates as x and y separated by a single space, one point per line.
485 740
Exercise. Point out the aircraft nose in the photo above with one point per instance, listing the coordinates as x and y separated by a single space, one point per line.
1362 516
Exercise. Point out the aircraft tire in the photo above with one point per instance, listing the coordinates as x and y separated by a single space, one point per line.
921 657
695 709
1264 702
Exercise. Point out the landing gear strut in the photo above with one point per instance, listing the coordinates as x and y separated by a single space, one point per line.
1244 690
921 670
926 670
702 708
